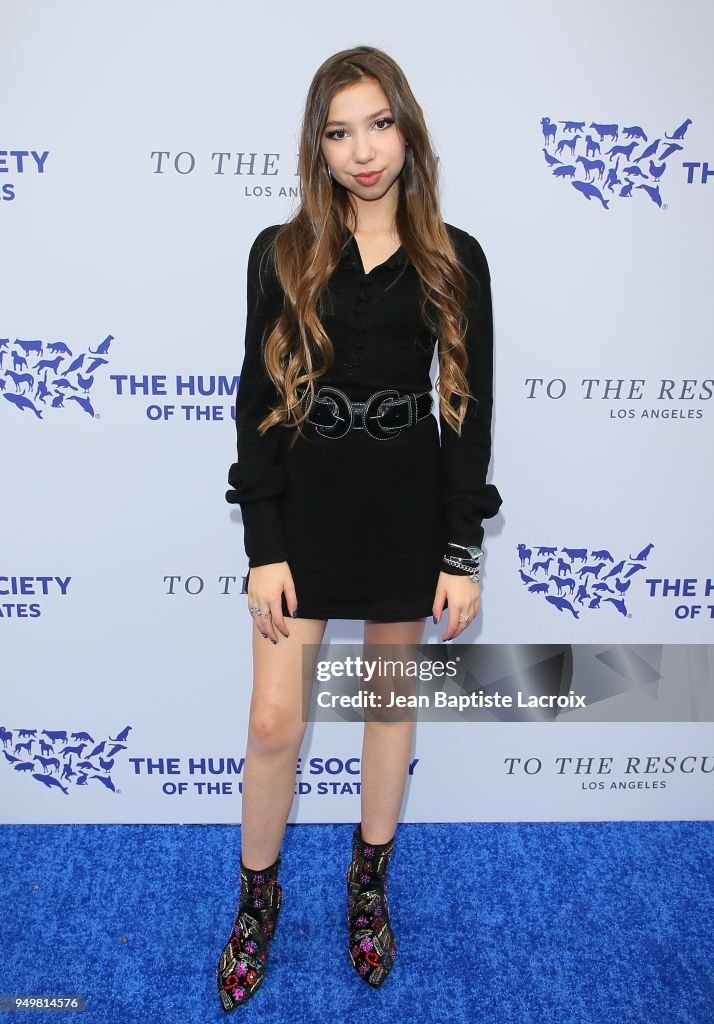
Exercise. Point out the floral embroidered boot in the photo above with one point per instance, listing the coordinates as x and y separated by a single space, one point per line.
372 945
241 965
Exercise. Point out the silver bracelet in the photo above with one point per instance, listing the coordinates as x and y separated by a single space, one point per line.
462 547
471 570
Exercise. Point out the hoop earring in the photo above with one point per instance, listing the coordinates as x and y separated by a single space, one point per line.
329 174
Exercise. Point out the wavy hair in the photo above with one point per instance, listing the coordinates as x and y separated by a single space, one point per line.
307 248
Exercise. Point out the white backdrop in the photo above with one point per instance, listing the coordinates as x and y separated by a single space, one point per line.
142 148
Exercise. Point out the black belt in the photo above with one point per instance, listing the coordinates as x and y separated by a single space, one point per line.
383 415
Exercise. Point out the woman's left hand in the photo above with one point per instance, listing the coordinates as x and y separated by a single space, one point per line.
464 597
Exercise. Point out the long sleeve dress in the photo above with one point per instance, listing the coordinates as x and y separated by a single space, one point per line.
362 522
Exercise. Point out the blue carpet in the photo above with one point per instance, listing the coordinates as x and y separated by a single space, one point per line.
553 923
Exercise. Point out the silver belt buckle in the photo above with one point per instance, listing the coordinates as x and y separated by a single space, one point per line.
340 407
357 415
371 419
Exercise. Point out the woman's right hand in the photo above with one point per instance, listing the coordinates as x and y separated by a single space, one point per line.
266 584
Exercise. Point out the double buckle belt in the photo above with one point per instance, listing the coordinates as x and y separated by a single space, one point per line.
383 415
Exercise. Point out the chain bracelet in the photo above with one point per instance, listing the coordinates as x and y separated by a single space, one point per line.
471 566
473 570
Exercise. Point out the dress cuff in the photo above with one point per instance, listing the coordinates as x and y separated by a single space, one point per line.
263 532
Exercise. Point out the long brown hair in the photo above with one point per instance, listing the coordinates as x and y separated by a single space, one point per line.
307 248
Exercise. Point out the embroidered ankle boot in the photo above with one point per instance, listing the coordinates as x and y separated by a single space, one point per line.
372 945
241 965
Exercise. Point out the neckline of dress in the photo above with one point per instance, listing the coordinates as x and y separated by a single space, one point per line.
397 255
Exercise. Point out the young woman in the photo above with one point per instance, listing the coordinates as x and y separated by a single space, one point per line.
354 504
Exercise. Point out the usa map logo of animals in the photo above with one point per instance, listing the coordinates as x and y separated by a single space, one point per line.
38 377
606 161
574 579
60 761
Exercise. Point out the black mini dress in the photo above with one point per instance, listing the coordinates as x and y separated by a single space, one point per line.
364 521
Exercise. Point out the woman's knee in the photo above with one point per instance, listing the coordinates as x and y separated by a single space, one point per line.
271 730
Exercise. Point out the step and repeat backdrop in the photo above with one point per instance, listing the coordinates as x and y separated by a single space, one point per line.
142 148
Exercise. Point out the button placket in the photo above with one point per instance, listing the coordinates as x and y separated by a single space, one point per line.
360 320
350 264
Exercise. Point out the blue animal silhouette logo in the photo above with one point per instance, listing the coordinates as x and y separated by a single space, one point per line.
604 161
574 579
36 376
59 760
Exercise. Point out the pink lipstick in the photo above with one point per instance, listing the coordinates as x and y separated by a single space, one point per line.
368 179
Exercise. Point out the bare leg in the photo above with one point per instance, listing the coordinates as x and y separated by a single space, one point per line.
275 733
387 746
